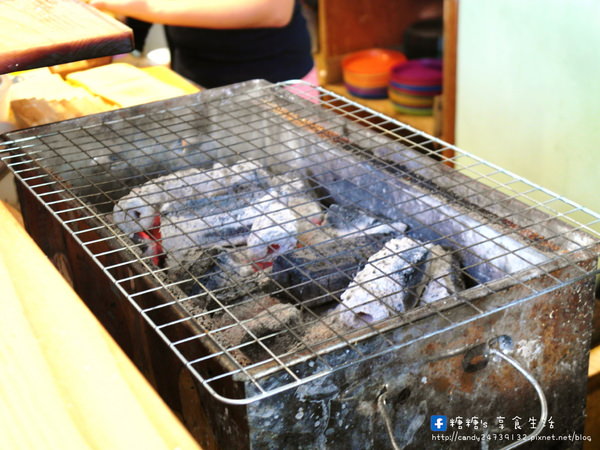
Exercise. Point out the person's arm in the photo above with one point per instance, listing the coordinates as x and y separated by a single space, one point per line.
225 14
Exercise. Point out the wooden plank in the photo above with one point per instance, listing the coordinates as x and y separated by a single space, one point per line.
202 414
449 81
124 85
15 213
592 410
64 383
594 367
172 78
37 33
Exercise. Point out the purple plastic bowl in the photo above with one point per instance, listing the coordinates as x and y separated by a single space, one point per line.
427 71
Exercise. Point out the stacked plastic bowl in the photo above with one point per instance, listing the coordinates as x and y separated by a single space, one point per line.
414 84
367 72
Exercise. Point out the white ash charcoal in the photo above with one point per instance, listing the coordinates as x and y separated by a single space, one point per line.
391 282
136 211
283 215
289 185
272 233
348 220
296 194
316 275
223 220
443 273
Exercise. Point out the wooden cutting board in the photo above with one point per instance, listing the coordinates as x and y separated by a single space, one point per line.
38 33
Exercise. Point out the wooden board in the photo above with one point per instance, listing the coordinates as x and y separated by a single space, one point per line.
123 85
450 55
38 33
64 383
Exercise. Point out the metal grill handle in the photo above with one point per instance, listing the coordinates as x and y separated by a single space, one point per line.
538 389
488 350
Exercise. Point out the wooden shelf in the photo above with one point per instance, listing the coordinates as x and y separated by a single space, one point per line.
422 123
345 27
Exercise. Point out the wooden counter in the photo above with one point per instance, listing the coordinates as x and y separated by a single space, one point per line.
64 383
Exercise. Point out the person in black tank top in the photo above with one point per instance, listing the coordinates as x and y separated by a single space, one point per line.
265 39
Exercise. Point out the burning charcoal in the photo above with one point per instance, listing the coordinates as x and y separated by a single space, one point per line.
149 245
137 210
222 207
391 282
315 275
444 273
277 230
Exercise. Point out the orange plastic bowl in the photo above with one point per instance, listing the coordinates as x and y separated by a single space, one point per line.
370 68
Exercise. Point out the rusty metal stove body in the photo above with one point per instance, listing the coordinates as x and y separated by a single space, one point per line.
529 258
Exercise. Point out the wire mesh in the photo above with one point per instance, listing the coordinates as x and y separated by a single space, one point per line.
272 234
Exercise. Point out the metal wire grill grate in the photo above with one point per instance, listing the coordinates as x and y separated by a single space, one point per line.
273 234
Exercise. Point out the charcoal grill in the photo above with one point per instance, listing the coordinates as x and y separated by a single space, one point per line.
512 341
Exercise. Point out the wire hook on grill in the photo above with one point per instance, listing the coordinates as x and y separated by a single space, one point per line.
381 406
476 359
538 390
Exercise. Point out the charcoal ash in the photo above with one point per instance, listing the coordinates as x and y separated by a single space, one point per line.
189 266
263 318
277 325
229 277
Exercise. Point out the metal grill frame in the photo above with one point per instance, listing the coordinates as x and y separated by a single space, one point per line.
72 209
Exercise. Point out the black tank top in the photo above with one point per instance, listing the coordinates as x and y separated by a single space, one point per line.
218 57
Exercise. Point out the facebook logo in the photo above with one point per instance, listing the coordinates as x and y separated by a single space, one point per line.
439 423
